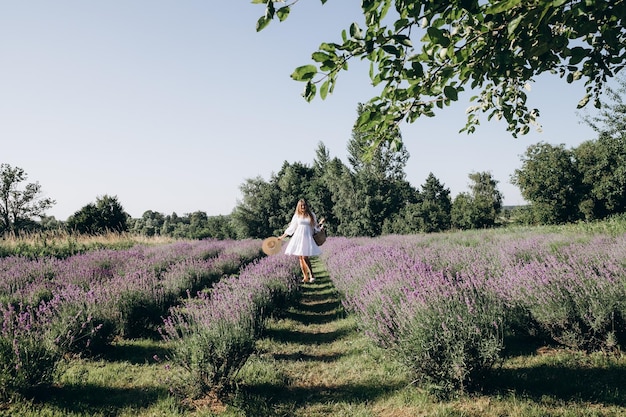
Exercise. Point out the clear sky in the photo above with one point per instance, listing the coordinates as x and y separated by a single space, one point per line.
171 106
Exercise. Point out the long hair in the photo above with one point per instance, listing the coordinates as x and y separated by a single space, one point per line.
307 210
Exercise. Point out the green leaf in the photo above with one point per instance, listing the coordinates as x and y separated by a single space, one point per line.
502 6
324 89
328 47
369 5
304 73
451 93
403 40
283 13
355 31
400 23
309 91
577 54
262 23
392 50
320 56
513 24
363 119
437 36
328 65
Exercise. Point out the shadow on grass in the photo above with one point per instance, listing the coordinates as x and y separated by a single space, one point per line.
596 385
308 338
317 314
265 400
524 345
318 303
91 399
135 352
583 383
300 356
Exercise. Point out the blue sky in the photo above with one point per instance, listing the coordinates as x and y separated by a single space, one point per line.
171 106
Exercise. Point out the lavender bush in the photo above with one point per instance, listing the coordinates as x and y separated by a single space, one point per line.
577 296
213 335
446 328
29 351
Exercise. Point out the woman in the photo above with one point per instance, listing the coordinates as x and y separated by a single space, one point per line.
303 225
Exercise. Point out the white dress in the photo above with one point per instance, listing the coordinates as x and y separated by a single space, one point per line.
301 242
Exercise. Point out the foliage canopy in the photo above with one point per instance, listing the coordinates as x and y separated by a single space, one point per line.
425 53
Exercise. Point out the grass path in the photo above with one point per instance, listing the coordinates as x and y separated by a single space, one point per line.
313 362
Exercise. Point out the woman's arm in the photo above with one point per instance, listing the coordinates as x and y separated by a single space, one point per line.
317 225
292 228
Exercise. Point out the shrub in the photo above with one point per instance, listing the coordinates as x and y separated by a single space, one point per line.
446 328
213 335
27 358
576 297
79 325
450 335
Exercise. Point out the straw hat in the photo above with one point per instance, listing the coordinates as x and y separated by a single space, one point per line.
272 245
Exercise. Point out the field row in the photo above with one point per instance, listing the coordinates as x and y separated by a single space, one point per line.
58 308
447 305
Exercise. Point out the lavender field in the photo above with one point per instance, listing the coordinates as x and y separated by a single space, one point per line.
447 304
449 308
53 308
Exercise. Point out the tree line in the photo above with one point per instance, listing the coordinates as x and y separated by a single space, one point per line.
370 196
587 182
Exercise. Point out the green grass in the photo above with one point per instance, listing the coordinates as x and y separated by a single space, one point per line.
312 361
62 244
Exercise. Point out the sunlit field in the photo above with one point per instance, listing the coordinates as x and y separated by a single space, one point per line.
508 322
62 244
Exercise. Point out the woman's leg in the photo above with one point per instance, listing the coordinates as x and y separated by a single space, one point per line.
310 268
304 268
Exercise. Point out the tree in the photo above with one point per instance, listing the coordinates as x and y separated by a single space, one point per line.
258 208
19 206
322 187
50 223
378 177
386 160
550 181
425 53
464 212
435 205
293 182
150 223
611 120
487 198
481 207
431 212
220 227
340 181
602 163
106 215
